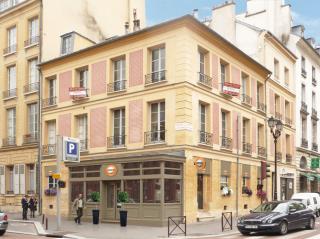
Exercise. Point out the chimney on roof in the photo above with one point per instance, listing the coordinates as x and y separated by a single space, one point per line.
298 30
136 22
311 41
195 13
126 27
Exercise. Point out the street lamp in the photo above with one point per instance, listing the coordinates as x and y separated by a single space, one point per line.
276 127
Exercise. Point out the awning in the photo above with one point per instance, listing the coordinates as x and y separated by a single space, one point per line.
310 176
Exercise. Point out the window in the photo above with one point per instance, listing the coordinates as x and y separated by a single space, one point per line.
303 66
2 180
260 135
313 74
82 125
277 105
83 78
76 189
132 187
12 39
314 100
151 190
245 130
12 83
119 74
33 74
11 180
5 4
52 183
224 181
158 64
202 118
92 186
158 121
33 30
245 183
202 63
224 72
51 140
286 76
119 126
314 131
224 123
245 84
172 190
11 125
67 44
32 178
52 88
303 93
304 127
288 148
276 69
33 119
19 179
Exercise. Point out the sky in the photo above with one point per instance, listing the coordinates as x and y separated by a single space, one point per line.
302 13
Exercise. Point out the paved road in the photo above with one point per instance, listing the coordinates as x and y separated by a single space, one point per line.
18 236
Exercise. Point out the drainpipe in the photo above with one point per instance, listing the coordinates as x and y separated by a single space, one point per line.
39 168
238 164
266 128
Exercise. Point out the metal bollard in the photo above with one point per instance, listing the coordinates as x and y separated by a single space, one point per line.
46 223
43 219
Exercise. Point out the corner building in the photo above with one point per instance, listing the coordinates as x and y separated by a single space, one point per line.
162 119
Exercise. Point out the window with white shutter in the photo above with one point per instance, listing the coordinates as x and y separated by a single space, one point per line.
82 131
32 178
2 180
12 82
16 180
33 119
22 179
33 72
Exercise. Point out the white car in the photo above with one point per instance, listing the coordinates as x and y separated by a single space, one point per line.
311 200
3 223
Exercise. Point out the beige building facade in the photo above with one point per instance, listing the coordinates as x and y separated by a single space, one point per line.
30 32
174 115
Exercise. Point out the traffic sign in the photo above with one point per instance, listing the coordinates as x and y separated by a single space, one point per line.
71 150
56 175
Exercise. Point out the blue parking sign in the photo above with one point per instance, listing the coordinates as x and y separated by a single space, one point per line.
71 152
72 148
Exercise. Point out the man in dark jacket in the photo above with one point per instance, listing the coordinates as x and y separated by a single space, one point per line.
24 204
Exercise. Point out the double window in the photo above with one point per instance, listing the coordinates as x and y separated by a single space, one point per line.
67 44
83 78
11 126
33 120
12 82
157 122
119 74
33 30
12 39
119 127
82 125
33 75
158 65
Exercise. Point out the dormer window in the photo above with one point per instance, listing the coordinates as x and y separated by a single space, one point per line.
67 44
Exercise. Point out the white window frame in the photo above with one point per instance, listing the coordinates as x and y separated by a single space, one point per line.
33 119
121 128
12 36
12 77
33 27
33 71
11 123
158 123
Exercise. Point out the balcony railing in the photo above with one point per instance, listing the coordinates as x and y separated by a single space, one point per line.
49 102
261 151
315 147
10 49
288 158
33 87
303 72
304 143
49 149
30 138
9 141
10 93
31 41
205 80
246 99
246 148
155 137
261 107
83 145
205 138
117 86
10 192
78 93
155 77
314 81
117 141
278 115
304 107
226 143
288 121
314 113
279 156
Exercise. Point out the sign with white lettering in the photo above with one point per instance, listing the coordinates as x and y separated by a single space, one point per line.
78 92
230 89
183 126
71 149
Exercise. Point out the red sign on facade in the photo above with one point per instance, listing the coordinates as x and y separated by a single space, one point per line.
230 89
77 92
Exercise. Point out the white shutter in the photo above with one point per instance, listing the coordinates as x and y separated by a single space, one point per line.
16 179
22 179
2 180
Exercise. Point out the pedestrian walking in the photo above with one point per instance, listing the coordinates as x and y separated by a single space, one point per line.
33 206
78 205
24 204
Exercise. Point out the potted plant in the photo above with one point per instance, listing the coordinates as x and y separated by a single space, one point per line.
261 194
226 191
50 192
247 190
95 197
123 197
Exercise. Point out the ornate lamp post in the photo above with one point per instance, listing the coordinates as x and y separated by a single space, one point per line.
276 127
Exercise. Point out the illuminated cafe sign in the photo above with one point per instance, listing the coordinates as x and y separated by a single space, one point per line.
77 92
230 89
111 170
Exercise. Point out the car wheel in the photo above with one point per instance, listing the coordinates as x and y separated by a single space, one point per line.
2 232
311 223
283 228
245 233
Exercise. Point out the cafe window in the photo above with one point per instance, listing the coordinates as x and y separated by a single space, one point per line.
132 187
52 183
172 190
76 189
131 169
153 167
151 191
81 172
172 168
92 186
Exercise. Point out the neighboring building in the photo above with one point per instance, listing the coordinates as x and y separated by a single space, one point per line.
275 16
164 119
263 46
25 40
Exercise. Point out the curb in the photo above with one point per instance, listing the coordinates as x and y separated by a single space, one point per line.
23 233
70 236
204 236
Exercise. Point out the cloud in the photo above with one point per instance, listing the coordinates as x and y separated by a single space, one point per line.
312 25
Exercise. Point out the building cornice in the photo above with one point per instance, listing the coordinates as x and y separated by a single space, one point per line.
16 8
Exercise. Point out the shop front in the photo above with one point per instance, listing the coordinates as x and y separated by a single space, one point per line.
154 187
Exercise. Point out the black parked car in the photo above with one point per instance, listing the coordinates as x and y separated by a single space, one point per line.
277 216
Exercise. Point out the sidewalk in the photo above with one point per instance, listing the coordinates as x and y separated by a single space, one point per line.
114 231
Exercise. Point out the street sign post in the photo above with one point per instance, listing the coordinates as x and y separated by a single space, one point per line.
68 150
